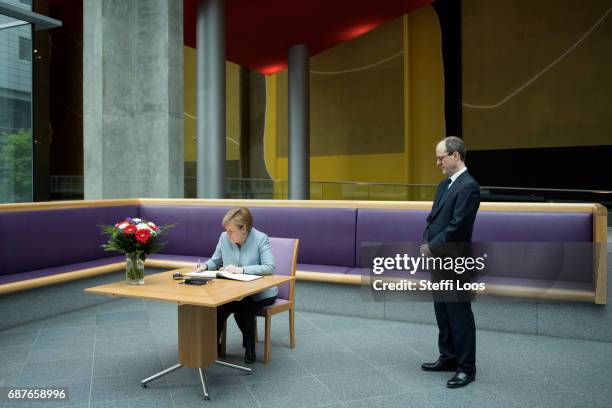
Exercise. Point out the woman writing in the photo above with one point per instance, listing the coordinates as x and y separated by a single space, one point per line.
243 249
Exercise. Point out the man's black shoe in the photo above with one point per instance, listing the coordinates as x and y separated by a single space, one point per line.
460 380
439 366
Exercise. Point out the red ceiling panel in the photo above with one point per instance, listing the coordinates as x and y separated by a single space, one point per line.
260 32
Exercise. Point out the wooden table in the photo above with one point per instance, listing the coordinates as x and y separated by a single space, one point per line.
197 312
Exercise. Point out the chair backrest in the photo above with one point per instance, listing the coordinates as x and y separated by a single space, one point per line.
285 251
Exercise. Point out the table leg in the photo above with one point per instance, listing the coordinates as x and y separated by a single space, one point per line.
197 335
144 382
203 382
234 366
197 344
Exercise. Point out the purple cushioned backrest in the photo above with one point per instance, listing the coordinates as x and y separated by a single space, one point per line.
387 226
490 226
550 246
197 228
327 235
550 261
496 226
545 245
282 249
46 238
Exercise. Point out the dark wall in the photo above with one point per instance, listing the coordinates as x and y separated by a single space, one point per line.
582 167
66 89
449 15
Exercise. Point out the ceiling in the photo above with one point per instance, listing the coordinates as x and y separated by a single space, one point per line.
260 32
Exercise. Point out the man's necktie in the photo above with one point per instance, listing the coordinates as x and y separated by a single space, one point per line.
444 187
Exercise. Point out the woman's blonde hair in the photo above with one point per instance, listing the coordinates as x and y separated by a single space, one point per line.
239 216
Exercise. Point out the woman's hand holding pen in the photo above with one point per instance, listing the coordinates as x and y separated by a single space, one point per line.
201 266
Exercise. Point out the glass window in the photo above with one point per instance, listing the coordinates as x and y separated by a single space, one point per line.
25 49
16 153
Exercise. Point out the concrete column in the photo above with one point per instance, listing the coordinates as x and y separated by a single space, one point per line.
133 98
210 41
299 123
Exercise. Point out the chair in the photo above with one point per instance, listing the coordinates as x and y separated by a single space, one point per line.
285 252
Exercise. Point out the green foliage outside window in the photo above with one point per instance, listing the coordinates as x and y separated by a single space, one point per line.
16 166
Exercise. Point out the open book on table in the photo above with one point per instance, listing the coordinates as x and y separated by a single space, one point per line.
225 275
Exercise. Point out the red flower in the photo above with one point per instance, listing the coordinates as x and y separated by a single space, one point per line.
142 236
130 229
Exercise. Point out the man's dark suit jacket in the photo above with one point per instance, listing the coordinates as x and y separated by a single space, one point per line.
451 221
449 233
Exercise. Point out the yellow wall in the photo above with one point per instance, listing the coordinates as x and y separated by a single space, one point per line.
404 143
507 46
425 94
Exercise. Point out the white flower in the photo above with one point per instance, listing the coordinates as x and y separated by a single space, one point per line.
142 226
136 220
123 225
152 224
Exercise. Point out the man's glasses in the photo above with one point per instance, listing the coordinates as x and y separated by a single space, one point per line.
440 158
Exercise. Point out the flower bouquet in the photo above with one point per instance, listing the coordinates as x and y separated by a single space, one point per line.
136 238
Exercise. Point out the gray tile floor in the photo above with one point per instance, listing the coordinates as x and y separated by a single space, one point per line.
102 353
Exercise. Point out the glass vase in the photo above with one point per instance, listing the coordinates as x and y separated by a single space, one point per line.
134 269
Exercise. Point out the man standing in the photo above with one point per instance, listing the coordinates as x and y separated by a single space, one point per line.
448 233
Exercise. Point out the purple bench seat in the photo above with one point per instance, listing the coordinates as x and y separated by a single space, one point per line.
50 241
322 268
543 284
38 243
39 273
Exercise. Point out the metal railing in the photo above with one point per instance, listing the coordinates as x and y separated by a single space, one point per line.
67 185
346 190
71 187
